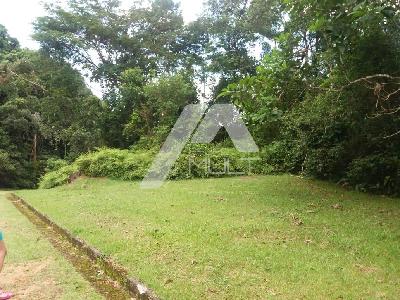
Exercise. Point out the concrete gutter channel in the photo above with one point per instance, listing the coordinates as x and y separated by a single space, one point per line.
108 277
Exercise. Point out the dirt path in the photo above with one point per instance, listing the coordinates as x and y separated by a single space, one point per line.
34 269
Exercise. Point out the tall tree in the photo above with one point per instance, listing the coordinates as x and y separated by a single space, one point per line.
236 31
329 94
157 105
106 40
45 110
7 43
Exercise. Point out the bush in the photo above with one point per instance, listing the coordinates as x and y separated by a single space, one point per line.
375 173
329 137
55 164
59 177
15 172
196 161
284 156
203 161
325 163
103 163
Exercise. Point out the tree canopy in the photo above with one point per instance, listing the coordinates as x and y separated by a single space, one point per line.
318 83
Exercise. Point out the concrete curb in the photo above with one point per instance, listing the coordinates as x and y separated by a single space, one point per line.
112 269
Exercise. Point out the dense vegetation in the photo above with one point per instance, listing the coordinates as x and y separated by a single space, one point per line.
196 161
45 111
323 101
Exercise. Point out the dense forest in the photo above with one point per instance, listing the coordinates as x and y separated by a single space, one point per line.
318 83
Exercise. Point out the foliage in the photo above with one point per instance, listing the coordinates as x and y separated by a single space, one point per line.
106 40
54 164
375 173
45 109
196 161
324 101
57 178
204 161
233 28
319 103
7 43
157 107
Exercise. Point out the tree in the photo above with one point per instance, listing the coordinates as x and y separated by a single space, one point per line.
106 40
122 106
45 110
7 43
328 95
235 29
157 106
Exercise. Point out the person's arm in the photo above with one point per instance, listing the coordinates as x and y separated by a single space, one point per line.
3 253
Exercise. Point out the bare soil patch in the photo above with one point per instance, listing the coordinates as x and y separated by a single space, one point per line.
31 280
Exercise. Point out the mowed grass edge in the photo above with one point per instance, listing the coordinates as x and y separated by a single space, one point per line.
238 238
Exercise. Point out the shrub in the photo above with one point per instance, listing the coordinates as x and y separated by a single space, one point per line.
325 163
103 163
55 164
329 137
203 161
59 177
375 173
284 156
194 162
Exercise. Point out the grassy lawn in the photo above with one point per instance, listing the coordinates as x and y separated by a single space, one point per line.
238 238
34 270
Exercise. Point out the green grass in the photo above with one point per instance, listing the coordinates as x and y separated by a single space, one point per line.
238 238
34 269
